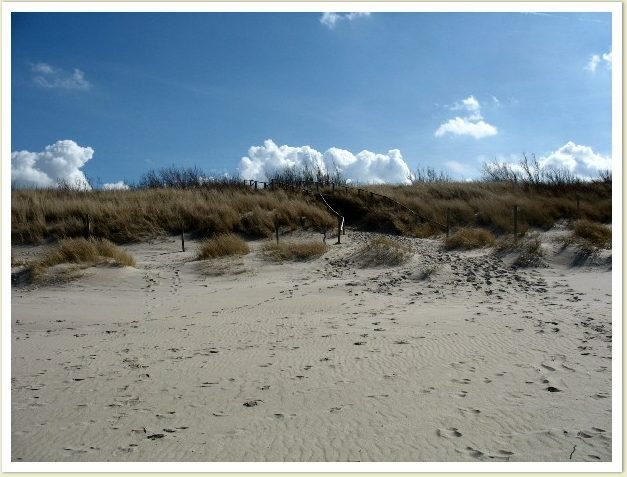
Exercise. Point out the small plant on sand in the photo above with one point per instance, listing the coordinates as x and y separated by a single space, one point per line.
588 239
469 238
593 233
528 250
222 246
300 251
382 251
82 252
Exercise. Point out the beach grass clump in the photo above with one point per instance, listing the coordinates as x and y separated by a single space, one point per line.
595 234
527 249
382 251
469 238
222 245
298 251
82 252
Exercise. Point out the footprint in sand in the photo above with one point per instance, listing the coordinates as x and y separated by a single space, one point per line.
448 432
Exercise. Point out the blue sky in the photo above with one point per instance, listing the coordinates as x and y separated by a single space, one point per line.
447 90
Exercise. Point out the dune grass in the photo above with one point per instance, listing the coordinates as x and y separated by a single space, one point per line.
82 252
527 249
134 215
381 252
469 238
298 251
595 234
221 246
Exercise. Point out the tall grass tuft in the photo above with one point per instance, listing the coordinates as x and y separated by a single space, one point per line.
83 252
469 238
595 234
222 246
380 252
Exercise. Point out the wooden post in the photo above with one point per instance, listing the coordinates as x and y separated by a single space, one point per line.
516 222
578 211
255 185
88 231
339 229
271 184
448 222
317 186
358 192
182 237
276 231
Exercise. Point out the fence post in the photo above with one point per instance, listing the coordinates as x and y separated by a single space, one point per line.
255 185
578 211
276 231
516 222
88 227
339 229
448 222
317 186
182 237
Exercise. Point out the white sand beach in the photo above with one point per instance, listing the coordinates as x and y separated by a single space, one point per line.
453 356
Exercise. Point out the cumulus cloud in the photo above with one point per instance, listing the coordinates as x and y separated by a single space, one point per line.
119 185
50 77
365 167
596 60
581 160
59 162
472 124
331 19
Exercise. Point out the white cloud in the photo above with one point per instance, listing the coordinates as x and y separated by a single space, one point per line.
581 160
61 161
50 77
119 185
331 19
596 60
470 125
366 167
466 127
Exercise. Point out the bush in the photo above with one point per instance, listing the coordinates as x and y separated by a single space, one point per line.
222 246
294 251
469 238
382 252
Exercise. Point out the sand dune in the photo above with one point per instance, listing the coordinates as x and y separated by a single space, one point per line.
454 356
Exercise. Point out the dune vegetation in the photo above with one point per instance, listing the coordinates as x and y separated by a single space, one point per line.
167 203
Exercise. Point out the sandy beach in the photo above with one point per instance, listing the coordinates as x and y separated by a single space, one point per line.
453 356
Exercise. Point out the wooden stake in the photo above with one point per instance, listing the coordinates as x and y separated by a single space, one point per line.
448 223
339 229
276 230
516 222
182 237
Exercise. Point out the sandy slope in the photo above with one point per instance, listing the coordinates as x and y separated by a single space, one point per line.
320 361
